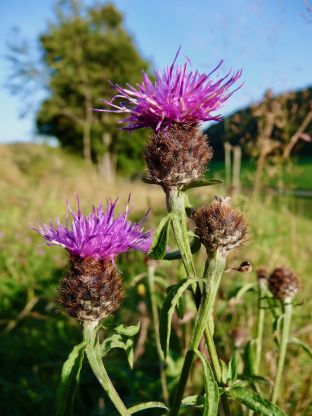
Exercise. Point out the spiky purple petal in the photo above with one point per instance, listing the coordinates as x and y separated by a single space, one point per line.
176 96
100 235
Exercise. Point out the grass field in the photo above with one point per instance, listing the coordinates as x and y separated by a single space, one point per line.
35 341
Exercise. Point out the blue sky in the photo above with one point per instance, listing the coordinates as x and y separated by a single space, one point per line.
269 39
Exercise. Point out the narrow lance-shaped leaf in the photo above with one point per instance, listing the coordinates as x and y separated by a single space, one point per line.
128 330
160 240
249 358
200 183
304 346
277 329
211 387
114 343
224 372
143 406
188 206
198 401
232 370
168 309
255 402
70 381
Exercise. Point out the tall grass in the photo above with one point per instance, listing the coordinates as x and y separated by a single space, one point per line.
35 341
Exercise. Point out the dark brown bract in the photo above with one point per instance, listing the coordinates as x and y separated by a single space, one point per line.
177 156
283 283
92 291
221 227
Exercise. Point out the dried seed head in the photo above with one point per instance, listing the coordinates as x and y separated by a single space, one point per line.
220 227
177 156
283 283
93 290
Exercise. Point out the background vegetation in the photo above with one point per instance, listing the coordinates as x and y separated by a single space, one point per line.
78 55
35 341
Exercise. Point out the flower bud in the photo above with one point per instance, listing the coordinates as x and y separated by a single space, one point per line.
221 227
177 156
93 290
283 283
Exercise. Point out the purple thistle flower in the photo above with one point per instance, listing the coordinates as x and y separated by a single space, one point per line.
176 96
100 235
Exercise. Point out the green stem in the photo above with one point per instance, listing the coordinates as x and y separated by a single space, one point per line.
151 284
93 353
213 271
176 204
287 307
261 313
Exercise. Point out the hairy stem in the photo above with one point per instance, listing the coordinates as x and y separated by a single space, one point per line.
151 284
213 271
287 306
176 204
93 353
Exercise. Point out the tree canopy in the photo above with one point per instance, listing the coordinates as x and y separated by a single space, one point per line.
80 52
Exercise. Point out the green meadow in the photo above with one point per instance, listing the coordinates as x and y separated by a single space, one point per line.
35 341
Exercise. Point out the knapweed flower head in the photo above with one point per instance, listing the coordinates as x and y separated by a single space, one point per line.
99 235
176 96
221 227
283 283
177 156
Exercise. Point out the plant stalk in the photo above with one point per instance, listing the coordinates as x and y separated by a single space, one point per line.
214 268
287 307
176 204
151 285
90 335
261 313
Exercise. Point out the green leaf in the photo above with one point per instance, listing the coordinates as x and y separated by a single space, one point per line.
143 406
69 381
277 329
255 402
254 379
160 240
128 330
110 343
301 344
232 370
168 309
245 288
200 183
249 358
223 372
180 307
107 343
195 245
198 401
211 388
188 206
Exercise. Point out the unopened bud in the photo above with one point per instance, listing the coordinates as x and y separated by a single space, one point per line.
283 283
221 227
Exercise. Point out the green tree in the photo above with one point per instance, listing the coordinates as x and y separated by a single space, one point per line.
81 50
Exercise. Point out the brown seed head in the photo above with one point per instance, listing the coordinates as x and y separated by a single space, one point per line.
93 290
178 156
221 227
283 283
